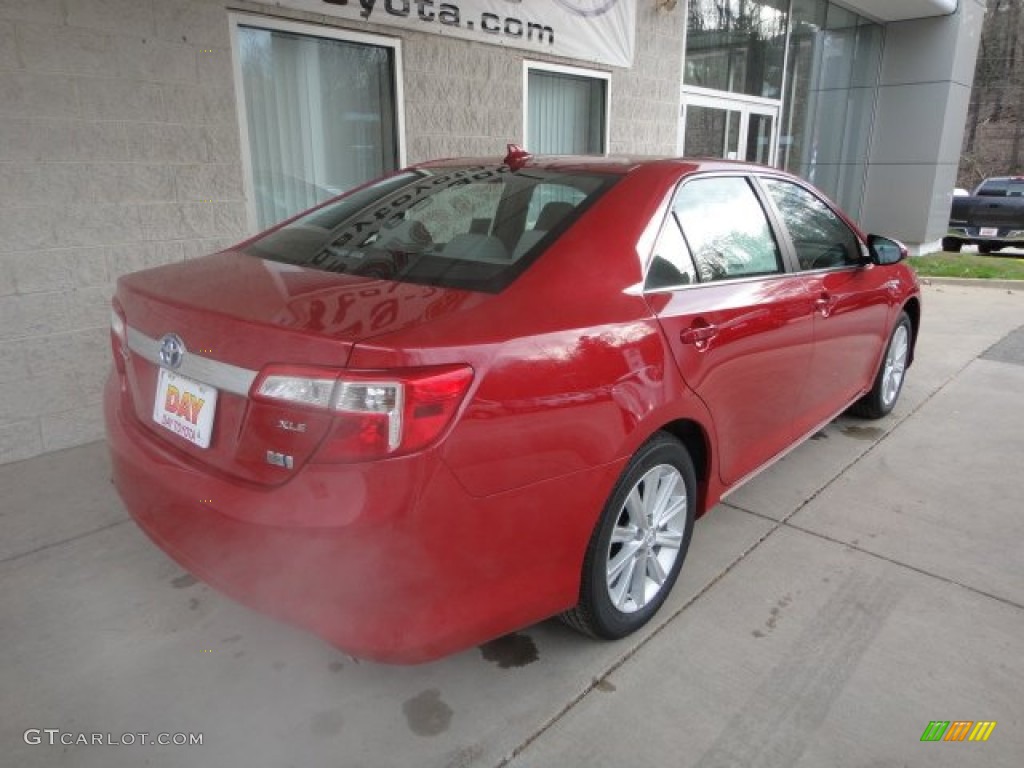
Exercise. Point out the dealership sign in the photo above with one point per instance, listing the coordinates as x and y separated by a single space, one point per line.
602 31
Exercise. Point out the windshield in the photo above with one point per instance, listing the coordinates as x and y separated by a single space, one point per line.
474 227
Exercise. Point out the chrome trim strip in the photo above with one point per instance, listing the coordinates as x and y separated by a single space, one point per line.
223 376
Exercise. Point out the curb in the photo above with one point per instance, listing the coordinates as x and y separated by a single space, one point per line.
973 282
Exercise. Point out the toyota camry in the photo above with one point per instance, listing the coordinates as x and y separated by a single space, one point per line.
478 393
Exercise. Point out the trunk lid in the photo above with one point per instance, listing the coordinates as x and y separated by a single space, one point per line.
234 314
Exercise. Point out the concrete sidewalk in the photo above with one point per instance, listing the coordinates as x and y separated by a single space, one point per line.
869 583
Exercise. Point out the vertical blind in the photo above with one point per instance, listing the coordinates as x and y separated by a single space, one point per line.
566 114
320 114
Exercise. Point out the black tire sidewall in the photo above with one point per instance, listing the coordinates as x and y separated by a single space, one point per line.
608 621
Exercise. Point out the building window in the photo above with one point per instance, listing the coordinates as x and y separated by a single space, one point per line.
832 73
318 111
566 110
738 46
786 83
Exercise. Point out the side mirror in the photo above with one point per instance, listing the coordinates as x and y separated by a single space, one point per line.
885 250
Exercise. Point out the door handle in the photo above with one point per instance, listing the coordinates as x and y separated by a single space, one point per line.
698 335
825 303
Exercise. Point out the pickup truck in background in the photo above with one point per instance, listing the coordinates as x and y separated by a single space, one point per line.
991 218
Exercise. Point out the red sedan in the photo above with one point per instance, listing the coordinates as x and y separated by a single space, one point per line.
479 393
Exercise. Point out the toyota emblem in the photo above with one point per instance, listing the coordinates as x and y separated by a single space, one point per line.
172 350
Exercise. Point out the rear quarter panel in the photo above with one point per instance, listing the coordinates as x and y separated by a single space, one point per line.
571 370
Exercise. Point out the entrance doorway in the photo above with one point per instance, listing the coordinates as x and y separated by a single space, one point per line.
735 129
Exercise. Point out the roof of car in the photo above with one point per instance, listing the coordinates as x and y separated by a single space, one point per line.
618 164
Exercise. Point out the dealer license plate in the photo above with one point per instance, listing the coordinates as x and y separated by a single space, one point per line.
185 407
989 232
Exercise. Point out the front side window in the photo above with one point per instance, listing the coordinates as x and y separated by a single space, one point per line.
822 240
566 112
727 229
320 117
473 227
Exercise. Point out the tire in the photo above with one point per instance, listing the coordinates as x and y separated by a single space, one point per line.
888 382
951 245
614 600
984 248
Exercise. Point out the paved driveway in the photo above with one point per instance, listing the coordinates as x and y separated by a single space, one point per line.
869 583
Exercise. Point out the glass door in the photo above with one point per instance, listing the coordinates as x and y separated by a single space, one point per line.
712 132
760 131
733 129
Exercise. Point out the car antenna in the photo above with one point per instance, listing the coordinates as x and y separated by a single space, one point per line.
516 157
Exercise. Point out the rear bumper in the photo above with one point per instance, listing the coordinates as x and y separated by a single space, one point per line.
391 561
1005 237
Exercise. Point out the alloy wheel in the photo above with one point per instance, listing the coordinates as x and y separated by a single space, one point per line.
895 365
646 538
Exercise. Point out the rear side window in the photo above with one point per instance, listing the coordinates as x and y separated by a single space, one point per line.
671 263
727 229
474 227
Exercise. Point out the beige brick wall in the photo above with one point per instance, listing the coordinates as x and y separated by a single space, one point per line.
646 99
118 122
117 118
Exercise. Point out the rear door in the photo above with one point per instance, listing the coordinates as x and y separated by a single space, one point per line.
740 327
851 300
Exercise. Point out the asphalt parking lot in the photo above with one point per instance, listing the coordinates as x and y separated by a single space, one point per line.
869 583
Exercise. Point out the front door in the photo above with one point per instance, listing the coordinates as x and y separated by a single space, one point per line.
851 300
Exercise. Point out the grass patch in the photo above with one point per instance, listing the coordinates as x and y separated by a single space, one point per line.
969 265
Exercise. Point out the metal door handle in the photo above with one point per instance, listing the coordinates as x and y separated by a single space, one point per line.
824 304
700 334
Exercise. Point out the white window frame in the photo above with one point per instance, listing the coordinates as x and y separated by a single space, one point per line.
693 96
562 69
237 20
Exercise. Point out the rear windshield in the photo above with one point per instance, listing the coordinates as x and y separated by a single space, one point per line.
472 227
1001 188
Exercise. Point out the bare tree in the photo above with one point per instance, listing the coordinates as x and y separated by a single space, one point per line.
994 135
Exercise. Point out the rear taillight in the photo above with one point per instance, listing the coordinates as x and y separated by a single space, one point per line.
376 413
118 336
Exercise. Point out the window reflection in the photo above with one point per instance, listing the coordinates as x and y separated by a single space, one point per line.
737 45
821 239
671 263
712 132
726 229
830 98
